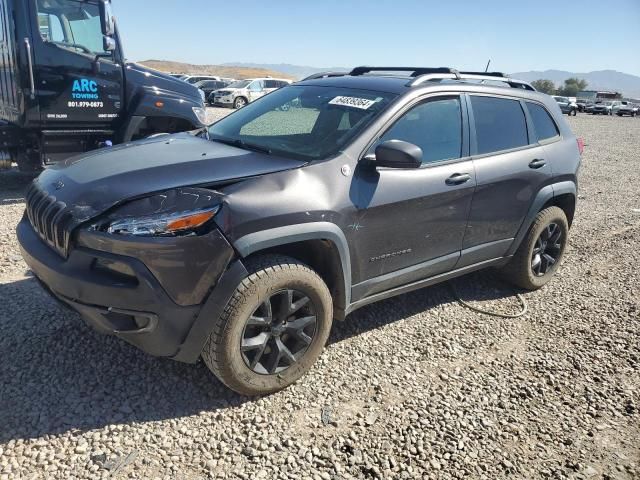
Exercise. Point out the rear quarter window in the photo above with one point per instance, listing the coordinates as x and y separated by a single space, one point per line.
542 122
500 124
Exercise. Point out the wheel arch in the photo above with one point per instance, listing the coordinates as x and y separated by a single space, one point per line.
561 194
320 245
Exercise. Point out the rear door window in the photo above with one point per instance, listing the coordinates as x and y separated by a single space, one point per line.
500 124
543 123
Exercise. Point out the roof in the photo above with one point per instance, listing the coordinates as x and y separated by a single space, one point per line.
378 83
399 80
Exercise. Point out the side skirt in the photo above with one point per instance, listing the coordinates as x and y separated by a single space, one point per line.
495 262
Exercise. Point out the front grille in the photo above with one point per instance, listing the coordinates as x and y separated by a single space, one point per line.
49 218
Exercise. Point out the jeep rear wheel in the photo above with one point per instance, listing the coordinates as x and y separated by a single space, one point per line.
273 329
541 252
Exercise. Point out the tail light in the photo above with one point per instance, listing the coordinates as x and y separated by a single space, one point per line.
580 145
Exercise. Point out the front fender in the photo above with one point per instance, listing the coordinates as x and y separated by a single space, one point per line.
279 236
156 102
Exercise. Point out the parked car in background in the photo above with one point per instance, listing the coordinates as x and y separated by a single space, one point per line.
241 92
602 108
209 86
567 105
193 79
588 107
582 104
626 108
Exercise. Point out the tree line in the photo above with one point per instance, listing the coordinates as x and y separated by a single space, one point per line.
570 88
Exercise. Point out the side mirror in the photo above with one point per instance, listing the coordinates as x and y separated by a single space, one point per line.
398 154
108 43
106 18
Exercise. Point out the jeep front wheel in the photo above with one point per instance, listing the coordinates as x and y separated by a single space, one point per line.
273 329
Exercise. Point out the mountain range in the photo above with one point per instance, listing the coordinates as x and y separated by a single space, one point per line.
296 71
628 85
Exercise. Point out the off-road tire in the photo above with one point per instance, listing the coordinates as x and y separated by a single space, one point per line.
267 274
519 270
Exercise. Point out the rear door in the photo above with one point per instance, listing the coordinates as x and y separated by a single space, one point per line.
511 168
74 87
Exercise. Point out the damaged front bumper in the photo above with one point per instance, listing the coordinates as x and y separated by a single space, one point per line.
141 300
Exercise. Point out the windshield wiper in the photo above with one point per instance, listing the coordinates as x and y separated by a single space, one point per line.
236 142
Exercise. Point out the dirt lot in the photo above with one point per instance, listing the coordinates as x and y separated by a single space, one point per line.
413 387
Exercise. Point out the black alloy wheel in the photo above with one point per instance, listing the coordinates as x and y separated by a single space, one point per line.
278 333
547 249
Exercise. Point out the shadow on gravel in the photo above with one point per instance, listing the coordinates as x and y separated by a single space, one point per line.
58 375
13 184
482 286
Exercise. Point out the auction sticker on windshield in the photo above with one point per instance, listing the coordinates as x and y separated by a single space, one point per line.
355 102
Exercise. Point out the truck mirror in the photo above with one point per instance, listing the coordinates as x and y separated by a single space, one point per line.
108 44
106 18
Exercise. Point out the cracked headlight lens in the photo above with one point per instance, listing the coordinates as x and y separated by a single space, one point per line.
176 212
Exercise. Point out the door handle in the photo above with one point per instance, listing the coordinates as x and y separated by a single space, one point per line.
32 82
537 163
458 179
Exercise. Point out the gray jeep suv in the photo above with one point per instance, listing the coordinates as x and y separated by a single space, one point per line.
242 242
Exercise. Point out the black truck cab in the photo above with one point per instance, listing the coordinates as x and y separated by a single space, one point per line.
65 87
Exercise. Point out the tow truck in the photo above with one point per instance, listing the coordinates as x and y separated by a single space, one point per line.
66 88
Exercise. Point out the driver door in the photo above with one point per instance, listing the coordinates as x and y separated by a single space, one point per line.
77 83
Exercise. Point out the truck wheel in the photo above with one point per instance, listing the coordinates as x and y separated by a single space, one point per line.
29 162
239 102
540 252
273 329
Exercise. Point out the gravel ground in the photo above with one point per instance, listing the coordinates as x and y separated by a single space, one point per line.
412 387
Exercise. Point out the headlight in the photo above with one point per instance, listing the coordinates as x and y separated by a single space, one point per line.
182 211
201 114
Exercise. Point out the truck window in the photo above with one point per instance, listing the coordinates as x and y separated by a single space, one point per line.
50 27
71 24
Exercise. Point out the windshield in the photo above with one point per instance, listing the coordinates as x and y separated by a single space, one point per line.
240 84
307 122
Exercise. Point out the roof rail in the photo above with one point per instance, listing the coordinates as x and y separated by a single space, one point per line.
483 77
488 74
324 75
421 75
416 71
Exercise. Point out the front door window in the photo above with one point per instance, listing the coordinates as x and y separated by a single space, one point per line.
71 24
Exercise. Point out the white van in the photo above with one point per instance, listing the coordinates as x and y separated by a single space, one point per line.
242 92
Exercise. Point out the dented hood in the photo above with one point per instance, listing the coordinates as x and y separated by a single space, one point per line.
94 182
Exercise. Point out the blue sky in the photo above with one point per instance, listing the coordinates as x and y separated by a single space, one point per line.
516 35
